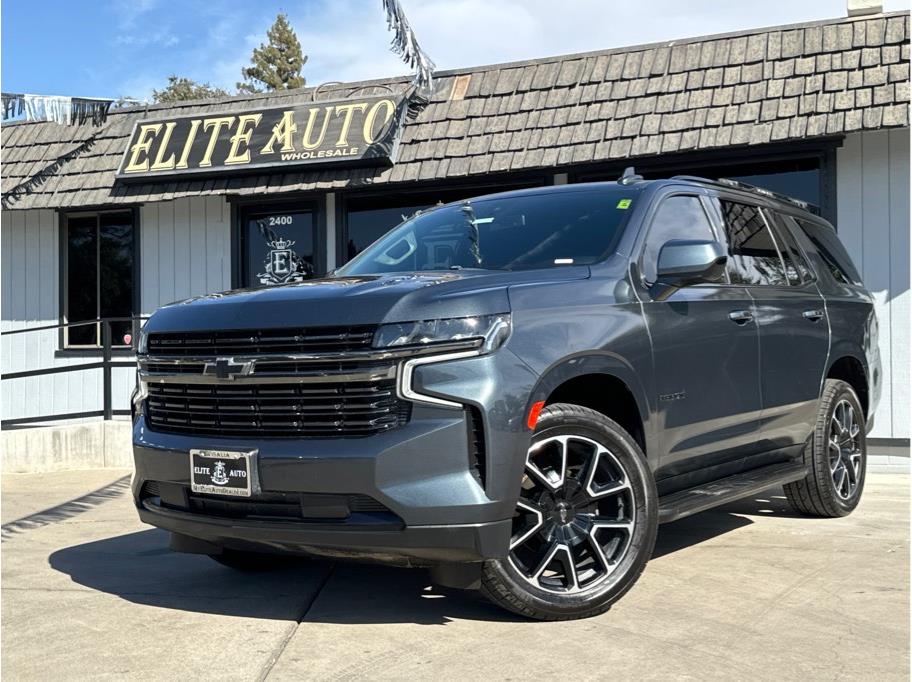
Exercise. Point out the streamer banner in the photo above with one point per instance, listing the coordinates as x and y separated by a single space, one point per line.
357 132
405 44
13 105
56 109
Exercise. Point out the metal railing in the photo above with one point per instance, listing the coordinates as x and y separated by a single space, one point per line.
106 365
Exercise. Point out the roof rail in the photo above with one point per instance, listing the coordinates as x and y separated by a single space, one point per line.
737 184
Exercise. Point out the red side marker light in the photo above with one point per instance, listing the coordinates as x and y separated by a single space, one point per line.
534 413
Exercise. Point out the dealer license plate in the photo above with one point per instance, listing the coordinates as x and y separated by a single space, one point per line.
222 472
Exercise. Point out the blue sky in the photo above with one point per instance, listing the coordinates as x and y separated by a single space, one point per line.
111 48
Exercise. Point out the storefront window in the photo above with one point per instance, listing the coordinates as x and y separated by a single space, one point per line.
100 252
368 225
278 247
798 178
801 184
369 218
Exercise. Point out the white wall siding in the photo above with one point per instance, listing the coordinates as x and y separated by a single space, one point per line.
31 281
185 249
873 223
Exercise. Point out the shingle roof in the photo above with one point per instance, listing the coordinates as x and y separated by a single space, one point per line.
750 88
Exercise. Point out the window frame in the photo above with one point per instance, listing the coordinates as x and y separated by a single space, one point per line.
761 207
706 163
63 343
775 213
706 201
823 225
650 221
241 214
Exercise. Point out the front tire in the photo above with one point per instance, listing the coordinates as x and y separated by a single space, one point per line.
585 523
836 456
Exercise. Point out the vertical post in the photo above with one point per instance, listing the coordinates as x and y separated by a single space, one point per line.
108 406
134 333
331 236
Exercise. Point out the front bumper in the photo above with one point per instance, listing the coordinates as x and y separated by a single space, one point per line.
413 545
440 507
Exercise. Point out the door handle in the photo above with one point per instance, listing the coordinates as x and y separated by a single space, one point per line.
813 315
741 316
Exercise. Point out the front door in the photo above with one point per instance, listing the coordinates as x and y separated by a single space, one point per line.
278 245
705 355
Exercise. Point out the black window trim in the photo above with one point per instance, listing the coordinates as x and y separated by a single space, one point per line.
823 224
316 204
698 193
761 207
810 267
63 217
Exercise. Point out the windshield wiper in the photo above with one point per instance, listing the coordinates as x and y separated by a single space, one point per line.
474 234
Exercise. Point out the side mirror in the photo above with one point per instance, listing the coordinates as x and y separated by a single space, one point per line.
683 262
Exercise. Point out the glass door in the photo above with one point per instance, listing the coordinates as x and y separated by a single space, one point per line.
278 244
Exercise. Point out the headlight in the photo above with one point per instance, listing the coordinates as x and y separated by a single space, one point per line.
489 330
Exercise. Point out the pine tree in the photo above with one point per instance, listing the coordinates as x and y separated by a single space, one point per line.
276 65
182 89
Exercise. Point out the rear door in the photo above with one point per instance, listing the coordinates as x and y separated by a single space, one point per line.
705 355
792 323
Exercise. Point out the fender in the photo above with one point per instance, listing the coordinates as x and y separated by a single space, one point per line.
597 362
869 365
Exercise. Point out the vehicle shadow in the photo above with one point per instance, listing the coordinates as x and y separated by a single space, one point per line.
140 568
707 525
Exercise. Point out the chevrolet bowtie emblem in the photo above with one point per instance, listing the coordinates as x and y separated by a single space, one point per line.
227 368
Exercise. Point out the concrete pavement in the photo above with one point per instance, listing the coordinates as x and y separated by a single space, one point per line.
746 590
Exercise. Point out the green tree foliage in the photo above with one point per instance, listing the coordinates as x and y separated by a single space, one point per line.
275 65
181 89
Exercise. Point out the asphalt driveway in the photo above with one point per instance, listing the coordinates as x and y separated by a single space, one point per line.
749 590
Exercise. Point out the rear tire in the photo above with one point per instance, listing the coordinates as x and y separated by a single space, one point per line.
836 456
586 520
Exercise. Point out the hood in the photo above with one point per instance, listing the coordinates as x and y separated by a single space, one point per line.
348 301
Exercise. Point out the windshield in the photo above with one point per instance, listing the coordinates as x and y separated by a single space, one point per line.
504 233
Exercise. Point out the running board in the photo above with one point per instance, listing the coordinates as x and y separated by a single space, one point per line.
694 500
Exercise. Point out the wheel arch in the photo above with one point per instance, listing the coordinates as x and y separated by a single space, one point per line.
603 382
849 368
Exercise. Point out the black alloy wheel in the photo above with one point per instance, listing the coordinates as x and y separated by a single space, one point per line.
585 521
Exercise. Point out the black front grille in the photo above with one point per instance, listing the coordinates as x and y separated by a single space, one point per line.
257 341
277 410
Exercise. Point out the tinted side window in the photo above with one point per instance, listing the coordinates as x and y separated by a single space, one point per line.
797 268
753 257
831 251
678 217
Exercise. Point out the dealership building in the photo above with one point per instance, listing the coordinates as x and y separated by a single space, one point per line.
164 202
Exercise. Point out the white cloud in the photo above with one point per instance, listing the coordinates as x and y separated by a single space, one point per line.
128 12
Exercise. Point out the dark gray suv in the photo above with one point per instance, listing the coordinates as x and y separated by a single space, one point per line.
515 390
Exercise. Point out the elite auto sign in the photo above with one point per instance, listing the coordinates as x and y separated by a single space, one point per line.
362 131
